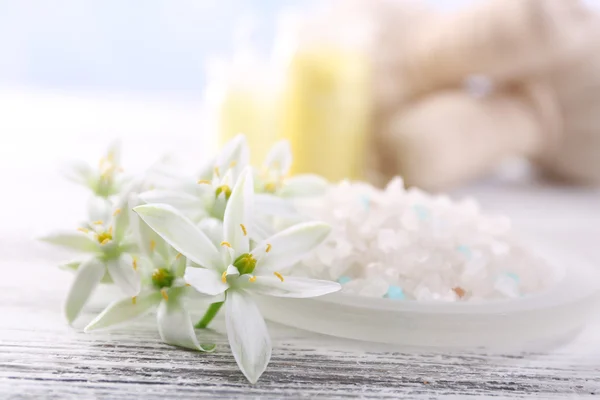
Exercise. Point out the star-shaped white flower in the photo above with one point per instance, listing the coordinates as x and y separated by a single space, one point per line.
274 177
276 190
107 238
206 195
239 271
105 181
165 289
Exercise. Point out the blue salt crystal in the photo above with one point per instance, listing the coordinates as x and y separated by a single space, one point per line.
344 279
421 211
366 201
466 250
513 276
395 293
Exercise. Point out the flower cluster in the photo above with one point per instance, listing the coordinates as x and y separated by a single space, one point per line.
216 241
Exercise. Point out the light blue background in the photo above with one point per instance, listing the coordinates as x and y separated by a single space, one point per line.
125 45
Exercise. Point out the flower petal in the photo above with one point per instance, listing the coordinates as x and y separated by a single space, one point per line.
289 246
178 266
247 333
113 153
180 200
124 310
124 275
291 287
213 229
205 280
261 229
234 155
238 214
148 241
279 157
121 218
87 278
74 241
181 233
71 265
175 326
206 172
267 204
79 172
304 185
195 299
99 209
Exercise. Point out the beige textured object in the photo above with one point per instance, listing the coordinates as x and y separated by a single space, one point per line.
575 156
544 59
445 139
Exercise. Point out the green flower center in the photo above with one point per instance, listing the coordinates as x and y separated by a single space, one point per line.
245 263
162 278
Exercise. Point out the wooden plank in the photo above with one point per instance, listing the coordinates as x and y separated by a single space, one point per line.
40 357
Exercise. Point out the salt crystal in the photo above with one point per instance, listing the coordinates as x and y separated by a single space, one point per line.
425 245
376 287
386 239
507 285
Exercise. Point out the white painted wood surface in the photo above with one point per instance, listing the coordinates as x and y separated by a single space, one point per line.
42 358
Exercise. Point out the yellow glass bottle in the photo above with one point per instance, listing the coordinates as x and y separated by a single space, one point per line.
252 112
326 112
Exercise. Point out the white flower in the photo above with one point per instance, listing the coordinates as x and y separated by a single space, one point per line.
276 190
106 236
166 290
239 271
105 181
274 177
207 195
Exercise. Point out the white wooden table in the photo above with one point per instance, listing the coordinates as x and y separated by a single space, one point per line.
41 357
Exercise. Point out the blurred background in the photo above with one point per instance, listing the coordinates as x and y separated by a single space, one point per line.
497 98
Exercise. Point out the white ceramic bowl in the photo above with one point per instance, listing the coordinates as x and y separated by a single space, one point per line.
514 324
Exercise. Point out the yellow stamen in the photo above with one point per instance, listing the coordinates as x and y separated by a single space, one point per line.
268 248
270 187
178 256
135 266
134 300
204 182
110 230
252 279
226 244
226 190
217 172
105 241
224 277
83 230
187 284
232 164
117 212
277 274
244 229
152 245
164 294
99 222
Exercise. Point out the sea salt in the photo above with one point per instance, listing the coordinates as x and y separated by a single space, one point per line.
408 245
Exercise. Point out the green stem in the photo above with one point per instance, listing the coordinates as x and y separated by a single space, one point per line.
209 315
